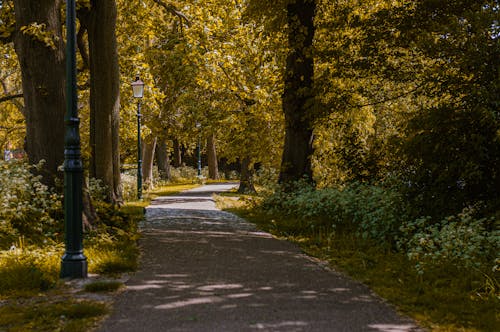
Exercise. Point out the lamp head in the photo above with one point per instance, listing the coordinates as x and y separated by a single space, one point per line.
138 87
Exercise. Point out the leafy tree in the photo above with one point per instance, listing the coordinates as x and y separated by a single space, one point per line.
453 145
240 74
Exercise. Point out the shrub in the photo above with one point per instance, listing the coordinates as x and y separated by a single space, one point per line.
186 173
372 212
267 177
459 240
369 211
129 186
27 207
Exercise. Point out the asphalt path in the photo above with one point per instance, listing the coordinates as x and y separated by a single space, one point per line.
203 269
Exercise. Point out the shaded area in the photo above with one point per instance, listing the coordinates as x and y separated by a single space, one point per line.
206 270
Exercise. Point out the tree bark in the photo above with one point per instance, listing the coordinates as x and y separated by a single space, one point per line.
43 81
89 216
298 94
104 97
177 153
148 152
213 168
163 160
246 177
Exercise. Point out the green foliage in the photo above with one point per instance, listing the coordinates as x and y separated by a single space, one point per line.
453 167
129 185
460 240
27 207
369 211
379 214
97 190
31 215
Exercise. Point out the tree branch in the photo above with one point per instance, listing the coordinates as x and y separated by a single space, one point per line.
173 10
404 94
246 101
10 97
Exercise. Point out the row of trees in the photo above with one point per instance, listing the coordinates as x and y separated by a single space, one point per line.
333 91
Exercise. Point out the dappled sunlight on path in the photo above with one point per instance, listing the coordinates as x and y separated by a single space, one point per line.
207 270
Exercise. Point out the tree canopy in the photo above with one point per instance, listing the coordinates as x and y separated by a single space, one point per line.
368 91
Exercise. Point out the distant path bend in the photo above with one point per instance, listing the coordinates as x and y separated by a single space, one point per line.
207 270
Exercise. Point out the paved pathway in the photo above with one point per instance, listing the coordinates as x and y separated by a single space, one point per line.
207 270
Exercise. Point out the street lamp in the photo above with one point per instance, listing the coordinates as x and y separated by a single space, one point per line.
138 90
198 126
74 262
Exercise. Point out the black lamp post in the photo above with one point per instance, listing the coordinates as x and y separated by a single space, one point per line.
74 262
198 126
138 89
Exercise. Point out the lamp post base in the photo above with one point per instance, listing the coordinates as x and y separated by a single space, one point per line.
74 266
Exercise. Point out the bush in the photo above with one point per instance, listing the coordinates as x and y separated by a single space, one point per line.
186 173
369 211
129 185
27 207
459 240
267 177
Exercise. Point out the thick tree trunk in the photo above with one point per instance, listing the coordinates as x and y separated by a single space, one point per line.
246 177
104 97
148 152
162 160
298 94
43 80
177 153
213 168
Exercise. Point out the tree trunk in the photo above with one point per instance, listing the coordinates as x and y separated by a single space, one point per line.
148 152
89 216
298 94
177 153
43 80
163 161
213 169
246 177
104 97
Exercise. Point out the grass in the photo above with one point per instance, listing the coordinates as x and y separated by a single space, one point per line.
168 190
445 299
103 286
44 315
